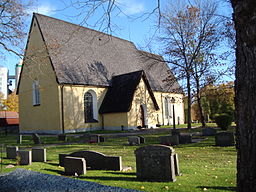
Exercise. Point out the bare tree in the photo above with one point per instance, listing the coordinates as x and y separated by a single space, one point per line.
191 35
12 22
245 92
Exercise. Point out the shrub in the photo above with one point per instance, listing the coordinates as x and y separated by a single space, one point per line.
223 121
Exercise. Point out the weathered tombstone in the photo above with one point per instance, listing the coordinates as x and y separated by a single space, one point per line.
94 139
19 139
209 131
62 137
62 158
155 163
142 139
11 152
96 160
24 157
36 138
102 139
38 155
169 140
74 165
176 164
133 140
225 139
185 138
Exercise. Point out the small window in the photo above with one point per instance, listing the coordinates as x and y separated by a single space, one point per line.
166 107
36 93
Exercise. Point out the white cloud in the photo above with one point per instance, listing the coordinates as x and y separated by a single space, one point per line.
131 7
42 9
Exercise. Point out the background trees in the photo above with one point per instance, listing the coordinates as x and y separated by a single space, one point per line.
12 22
191 35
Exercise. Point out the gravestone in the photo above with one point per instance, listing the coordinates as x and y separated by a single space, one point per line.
142 139
62 137
11 152
133 140
94 139
155 163
24 157
36 138
169 140
102 139
95 160
209 131
225 139
19 139
74 165
185 138
38 155
176 164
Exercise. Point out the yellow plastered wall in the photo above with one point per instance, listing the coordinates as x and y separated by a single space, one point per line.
142 97
73 102
115 121
37 66
178 107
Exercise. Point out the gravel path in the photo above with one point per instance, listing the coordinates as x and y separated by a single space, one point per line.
22 180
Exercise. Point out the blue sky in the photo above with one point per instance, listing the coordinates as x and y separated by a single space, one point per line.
138 30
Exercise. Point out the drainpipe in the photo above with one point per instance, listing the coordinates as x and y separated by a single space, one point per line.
62 109
162 108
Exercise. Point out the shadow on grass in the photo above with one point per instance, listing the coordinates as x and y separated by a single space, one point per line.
122 173
218 188
105 178
56 171
54 164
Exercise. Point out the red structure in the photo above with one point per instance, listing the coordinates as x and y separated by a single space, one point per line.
9 118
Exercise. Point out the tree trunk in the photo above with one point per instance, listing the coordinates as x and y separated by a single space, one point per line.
189 101
245 89
198 98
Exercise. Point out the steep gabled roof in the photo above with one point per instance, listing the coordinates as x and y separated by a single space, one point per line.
120 94
83 56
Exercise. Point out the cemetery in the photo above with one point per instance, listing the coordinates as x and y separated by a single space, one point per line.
164 160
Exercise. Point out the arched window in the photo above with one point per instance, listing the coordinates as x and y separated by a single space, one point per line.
90 107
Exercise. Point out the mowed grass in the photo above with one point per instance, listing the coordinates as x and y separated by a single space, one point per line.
204 167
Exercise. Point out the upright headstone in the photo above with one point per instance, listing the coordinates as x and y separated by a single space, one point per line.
133 140
185 138
62 158
142 139
94 139
209 131
38 155
169 140
155 163
24 157
74 165
19 139
62 137
225 139
36 138
11 152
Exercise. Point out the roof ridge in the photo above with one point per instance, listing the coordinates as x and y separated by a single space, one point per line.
77 25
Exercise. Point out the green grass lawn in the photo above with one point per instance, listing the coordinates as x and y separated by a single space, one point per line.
204 167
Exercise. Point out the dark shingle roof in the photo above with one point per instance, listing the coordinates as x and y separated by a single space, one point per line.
120 94
84 56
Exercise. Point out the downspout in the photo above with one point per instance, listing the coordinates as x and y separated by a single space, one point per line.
62 109
162 108
102 119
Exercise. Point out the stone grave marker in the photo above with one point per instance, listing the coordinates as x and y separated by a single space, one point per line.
19 139
11 152
134 140
36 138
74 165
95 160
94 139
225 139
185 138
62 137
169 140
38 155
209 131
24 157
142 139
155 163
